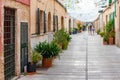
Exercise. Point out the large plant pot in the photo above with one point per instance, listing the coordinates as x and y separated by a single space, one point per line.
111 41
47 62
105 42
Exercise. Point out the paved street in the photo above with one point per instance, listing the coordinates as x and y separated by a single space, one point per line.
103 61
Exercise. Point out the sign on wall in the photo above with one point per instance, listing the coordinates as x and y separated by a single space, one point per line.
27 2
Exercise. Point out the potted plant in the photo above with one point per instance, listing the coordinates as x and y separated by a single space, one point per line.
111 37
62 38
110 31
105 39
36 57
79 27
48 51
101 34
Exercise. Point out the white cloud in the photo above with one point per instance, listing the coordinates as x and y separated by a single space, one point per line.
85 10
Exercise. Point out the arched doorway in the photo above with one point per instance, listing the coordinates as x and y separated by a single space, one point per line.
69 25
62 22
49 22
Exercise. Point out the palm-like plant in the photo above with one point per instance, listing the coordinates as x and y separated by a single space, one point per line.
48 50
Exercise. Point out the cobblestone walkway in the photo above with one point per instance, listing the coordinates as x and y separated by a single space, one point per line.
103 62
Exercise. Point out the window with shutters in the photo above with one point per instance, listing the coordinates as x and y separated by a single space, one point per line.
41 22
106 18
69 25
44 22
38 21
62 22
49 22
53 23
57 23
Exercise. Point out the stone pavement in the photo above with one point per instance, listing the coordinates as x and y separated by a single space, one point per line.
103 61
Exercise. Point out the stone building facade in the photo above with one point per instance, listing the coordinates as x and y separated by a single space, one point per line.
111 12
23 24
117 23
47 16
14 34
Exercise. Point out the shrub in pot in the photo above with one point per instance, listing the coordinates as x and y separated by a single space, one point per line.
110 31
79 27
61 37
36 57
105 39
48 51
101 34
111 37
65 45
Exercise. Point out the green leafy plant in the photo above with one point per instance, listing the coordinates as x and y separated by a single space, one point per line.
65 45
109 26
79 26
112 34
102 33
105 37
40 48
36 57
62 38
98 31
48 50
55 48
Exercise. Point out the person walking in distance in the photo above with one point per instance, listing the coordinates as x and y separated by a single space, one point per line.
90 30
93 30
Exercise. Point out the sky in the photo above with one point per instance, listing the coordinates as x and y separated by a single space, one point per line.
84 10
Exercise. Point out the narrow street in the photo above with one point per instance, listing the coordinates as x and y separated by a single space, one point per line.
103 61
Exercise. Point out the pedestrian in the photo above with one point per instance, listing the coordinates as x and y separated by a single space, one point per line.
93 30
90 30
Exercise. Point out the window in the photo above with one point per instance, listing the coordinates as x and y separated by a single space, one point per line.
38 21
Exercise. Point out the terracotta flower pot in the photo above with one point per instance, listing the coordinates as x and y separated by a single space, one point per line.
47 62
110 41
105 42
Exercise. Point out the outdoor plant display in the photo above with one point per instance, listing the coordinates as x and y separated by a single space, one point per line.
36 57
111 37
79 27
105 39
62 38
101 33
110 31
48 51
75 30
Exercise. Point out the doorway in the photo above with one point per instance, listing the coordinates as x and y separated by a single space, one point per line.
24 45
9 43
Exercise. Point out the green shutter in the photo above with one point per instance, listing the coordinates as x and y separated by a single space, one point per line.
38 21
44 22
53 23
57 22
